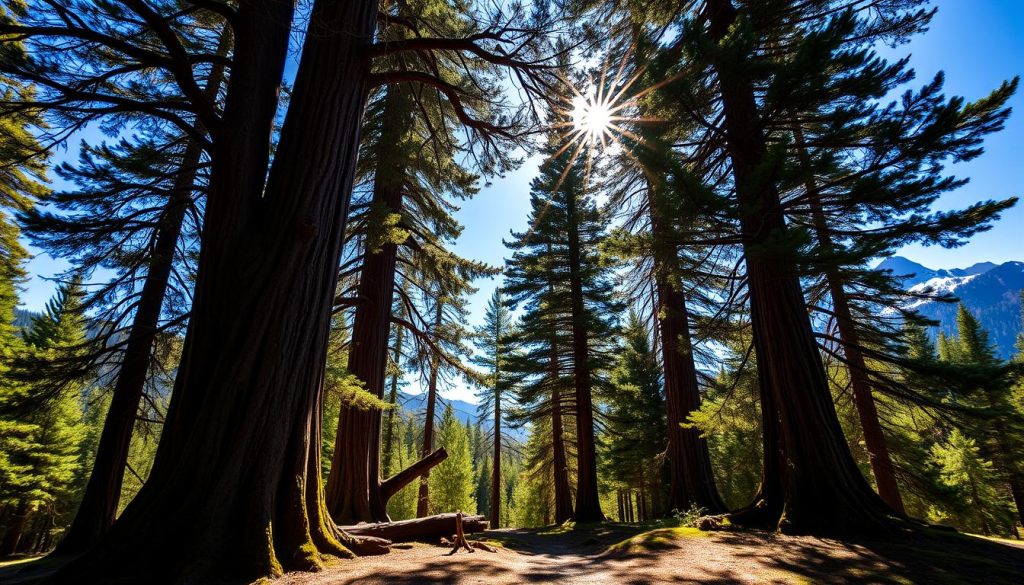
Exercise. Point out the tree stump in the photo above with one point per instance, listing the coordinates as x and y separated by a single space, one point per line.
460 536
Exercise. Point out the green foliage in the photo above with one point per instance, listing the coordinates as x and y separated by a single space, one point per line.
402 506
635 434
981 507
452 481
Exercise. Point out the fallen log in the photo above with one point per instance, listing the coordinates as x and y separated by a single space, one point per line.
428 529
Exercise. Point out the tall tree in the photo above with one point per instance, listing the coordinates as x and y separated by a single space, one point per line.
492 339
555 272
49 455
90 228
636 415
266 275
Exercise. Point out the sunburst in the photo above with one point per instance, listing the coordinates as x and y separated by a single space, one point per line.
596 117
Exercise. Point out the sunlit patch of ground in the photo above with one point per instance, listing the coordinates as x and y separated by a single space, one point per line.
614 554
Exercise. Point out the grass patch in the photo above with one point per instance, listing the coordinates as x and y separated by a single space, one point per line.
655 540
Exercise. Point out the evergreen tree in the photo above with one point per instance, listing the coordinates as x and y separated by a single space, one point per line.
48 439
636 416
981 507
566 292
482 492
999 428
494 346
452 481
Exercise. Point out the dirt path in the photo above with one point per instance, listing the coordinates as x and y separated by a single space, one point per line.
614 556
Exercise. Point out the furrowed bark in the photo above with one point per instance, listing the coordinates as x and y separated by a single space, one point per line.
98 508
353 488
235 492
824 490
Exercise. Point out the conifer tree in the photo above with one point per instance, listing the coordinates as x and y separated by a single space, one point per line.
494 344
270 224
963 468
53 431
636 415
566 293
999 428
452 481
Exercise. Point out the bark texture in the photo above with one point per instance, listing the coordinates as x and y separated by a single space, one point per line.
235 492
691 479
98 508
824 491
588 503
353 488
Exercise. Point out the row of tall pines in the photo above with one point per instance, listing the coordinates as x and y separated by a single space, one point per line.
259 268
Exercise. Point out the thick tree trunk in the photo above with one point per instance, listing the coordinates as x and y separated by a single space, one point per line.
353 488
588 503
235 491
824 490
496 464
430 528
102 495
874 439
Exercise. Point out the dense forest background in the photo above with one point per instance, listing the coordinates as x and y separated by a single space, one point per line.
693 325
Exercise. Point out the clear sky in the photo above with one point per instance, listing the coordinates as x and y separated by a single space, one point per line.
978 43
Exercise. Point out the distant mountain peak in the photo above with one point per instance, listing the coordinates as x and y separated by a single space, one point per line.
991 292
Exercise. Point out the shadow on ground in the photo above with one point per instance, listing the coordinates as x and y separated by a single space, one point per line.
620 554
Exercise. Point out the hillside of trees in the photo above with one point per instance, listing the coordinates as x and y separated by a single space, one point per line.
261 223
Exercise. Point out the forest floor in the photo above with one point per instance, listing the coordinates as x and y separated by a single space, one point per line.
624 554
620 554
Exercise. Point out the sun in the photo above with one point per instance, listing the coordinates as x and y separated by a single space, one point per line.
591 117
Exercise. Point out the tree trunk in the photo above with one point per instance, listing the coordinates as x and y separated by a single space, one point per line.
496 465
353 488
588 503
423 499
396 482
560 465
692 480
15 530
102 495
825 492
874 439
235 491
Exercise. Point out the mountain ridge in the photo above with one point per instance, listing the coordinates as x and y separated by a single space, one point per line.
991 292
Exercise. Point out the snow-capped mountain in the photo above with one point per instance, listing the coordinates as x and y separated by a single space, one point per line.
990 291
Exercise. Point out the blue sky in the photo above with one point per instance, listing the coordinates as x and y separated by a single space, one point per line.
978 43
